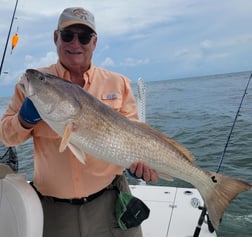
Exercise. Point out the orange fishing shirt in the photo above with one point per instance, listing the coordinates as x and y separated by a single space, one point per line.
61 174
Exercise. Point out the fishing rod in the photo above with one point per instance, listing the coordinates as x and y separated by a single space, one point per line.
232 128
6 45
11 154
204 209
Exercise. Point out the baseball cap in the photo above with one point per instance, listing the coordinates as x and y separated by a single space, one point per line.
76 15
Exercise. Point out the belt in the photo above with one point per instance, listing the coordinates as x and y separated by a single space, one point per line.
83 200
80 201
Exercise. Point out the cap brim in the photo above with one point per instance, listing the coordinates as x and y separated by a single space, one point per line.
74 22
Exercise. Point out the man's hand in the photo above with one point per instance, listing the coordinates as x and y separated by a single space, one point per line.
28 114
143 171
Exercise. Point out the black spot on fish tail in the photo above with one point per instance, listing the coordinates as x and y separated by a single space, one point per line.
214 179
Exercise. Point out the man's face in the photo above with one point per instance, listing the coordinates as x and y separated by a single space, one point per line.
75 45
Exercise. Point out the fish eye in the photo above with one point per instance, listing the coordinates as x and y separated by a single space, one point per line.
41 78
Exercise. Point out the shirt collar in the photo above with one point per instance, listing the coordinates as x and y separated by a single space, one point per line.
64 73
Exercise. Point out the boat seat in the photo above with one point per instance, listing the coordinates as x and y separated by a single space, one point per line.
4 170
21 213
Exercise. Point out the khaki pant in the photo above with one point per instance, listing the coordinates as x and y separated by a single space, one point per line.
92 219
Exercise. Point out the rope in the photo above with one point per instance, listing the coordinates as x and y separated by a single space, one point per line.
141 99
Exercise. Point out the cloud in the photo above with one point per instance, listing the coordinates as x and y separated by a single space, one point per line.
32 62
219 56
131 62
206 45
128 62
112 17
108 62
172 37
8 77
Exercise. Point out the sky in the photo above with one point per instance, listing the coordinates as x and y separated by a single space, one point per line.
154 40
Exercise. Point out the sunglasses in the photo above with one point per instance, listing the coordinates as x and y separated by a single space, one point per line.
68 35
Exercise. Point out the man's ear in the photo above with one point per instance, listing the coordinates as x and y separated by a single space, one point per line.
95 42
55 36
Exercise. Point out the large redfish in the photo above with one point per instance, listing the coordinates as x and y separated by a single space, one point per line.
87 126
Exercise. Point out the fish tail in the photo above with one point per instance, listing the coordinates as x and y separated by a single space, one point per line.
221 192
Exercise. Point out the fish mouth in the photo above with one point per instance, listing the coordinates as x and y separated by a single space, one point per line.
25 86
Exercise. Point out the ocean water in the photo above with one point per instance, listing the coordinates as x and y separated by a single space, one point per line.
199 113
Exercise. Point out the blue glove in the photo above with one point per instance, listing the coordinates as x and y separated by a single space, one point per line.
28 112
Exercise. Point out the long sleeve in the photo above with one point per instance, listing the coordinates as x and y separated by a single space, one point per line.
11 131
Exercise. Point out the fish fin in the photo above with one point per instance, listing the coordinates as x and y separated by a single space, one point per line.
165 176
222 190
187 154
66 142
79 154
66 137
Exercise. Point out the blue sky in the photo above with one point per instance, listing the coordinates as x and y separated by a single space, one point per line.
155 40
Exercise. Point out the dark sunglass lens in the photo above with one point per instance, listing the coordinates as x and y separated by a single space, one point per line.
84 38
66 35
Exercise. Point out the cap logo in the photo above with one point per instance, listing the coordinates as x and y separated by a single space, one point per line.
80 13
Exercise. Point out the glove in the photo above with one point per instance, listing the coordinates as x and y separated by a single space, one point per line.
28 112
133 175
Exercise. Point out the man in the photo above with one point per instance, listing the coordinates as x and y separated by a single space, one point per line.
77 199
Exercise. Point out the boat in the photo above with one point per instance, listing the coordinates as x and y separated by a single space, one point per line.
175 211
21 213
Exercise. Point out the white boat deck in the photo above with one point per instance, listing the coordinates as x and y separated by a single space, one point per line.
174 211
